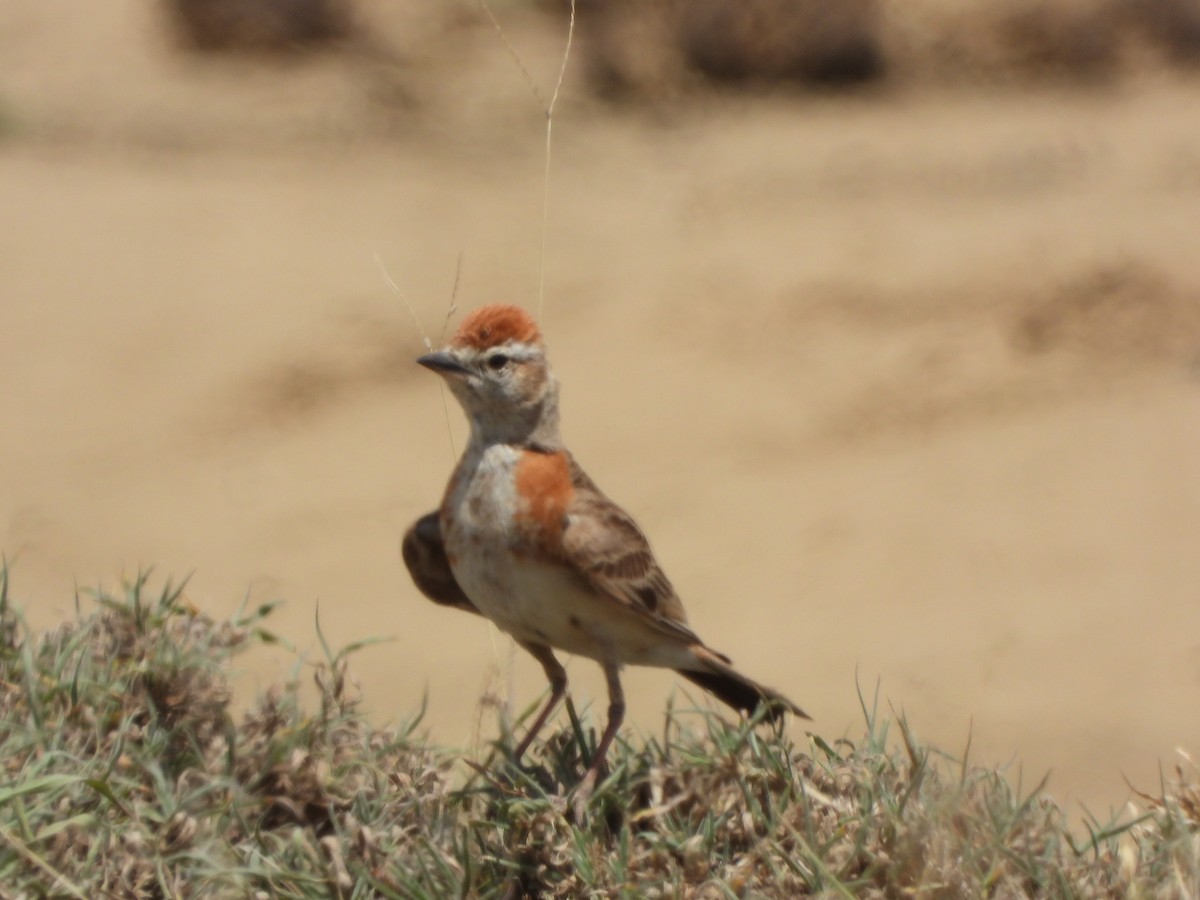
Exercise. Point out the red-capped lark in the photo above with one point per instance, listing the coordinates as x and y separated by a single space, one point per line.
524 537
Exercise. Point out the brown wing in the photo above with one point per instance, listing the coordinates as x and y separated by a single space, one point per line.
605 545
425 555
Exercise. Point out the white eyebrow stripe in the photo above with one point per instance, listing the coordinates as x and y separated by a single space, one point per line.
518 350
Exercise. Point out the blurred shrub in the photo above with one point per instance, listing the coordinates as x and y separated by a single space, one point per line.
271 25
658 49
655 48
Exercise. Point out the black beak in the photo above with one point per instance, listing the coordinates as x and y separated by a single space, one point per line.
443 363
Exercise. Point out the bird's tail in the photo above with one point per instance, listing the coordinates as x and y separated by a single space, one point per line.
728 685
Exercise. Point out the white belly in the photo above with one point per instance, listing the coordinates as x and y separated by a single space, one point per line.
544 604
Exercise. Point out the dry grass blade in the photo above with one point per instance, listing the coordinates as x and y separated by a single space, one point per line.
548 110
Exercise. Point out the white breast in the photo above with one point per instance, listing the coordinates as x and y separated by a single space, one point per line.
535 601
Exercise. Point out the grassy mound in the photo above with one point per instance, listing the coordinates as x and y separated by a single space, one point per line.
126 775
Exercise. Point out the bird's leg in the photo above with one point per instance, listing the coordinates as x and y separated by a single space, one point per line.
558 686
616 715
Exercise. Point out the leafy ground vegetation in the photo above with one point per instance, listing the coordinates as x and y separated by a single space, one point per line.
126 775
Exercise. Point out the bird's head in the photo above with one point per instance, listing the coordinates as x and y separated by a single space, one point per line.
496 367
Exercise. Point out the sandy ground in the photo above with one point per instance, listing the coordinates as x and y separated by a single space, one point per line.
903 387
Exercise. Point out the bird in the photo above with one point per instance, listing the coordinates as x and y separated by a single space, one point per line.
526 539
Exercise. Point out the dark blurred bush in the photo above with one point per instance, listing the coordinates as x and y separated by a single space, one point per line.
652 48
807 41
270 25
657 48
1075 39
1172 24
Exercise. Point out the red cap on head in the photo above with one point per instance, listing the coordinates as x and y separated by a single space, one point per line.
491 326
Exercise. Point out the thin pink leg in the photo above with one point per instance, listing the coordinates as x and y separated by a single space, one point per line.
616 715
558 687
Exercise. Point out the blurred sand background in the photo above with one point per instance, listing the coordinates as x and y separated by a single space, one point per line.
903 383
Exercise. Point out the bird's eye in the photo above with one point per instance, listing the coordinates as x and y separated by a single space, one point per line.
497 361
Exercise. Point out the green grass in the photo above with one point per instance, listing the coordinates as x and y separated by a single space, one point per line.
125 774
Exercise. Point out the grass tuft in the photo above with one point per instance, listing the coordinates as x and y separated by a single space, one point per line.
126 775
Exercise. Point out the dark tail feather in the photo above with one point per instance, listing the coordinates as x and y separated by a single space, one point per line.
729 686
738 694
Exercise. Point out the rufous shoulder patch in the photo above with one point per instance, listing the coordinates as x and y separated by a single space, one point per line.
544 491
491 326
